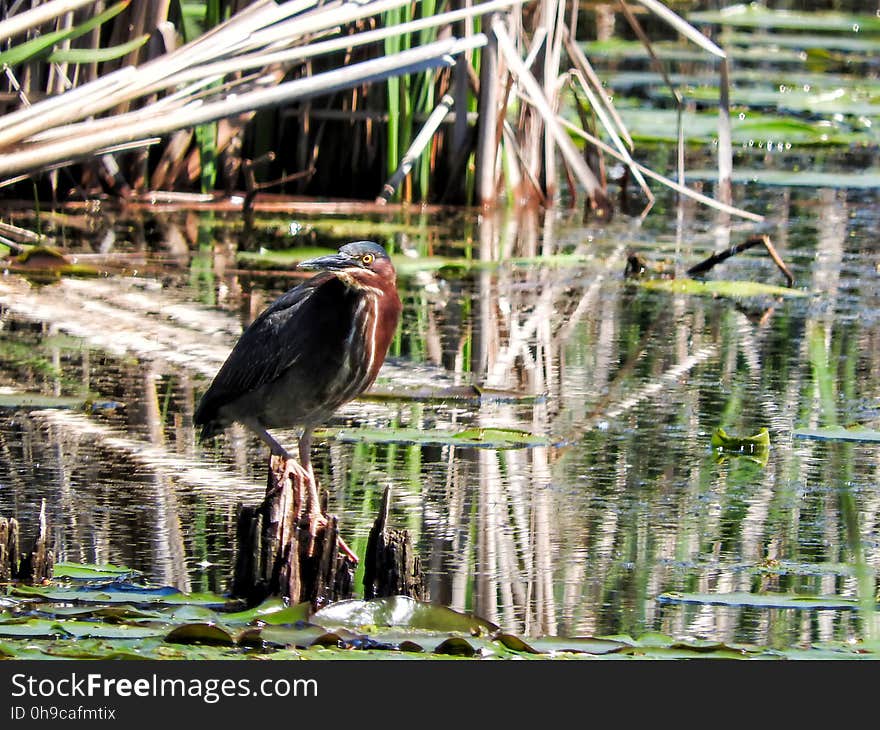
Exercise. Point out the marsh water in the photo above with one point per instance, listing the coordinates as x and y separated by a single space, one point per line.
607 511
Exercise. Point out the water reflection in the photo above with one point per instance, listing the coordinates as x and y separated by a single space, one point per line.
576 539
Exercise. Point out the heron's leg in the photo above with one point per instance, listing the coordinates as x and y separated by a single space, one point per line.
305 459
305 452
267 438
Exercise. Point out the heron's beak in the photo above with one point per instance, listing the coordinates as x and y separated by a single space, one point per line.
333 262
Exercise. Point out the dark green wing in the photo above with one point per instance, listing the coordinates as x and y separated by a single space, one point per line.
269 346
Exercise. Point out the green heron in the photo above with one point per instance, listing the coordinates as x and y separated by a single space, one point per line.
316 347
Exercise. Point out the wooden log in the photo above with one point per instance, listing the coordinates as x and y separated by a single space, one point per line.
289 545
391 566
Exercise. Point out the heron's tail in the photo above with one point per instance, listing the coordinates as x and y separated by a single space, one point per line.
209 430
206 417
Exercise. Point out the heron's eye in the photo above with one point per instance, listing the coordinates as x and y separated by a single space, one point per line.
367 258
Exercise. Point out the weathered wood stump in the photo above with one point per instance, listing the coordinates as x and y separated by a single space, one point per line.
34 566
391 566
289 545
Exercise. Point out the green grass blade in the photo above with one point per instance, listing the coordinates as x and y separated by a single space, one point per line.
38 46
97 55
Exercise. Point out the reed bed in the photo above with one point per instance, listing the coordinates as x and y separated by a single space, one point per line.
419 100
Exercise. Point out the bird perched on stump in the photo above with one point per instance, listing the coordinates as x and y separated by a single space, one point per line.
316 347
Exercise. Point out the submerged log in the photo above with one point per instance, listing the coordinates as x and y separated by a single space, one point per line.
289 545
34 566
391 566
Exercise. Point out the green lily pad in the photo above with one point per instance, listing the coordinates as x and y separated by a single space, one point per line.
160 596
455 393
106 630
32 628
31 401
455 646
191 613
720 288
400 611
271 611
299 636
793 567
485 438
805 41
77 571
756 448
95 649
200 633
763 600
862 435
754 15
555 644
864 179
660 125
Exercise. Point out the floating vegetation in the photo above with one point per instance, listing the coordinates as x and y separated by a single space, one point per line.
764 600
482 438
17 400
749 130
755 448
753 15
858 434
808 178
80 616
720 288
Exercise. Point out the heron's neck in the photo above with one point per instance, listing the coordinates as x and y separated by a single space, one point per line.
358 284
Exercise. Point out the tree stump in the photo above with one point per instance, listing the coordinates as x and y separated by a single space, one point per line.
391 566
289 545
33 567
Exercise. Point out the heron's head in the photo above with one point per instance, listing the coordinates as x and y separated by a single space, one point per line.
362 264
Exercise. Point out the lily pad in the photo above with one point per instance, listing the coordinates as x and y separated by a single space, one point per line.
754 15
106 630
400 611
485 438
862 435
555 644
136 595
32 401
32 628
732 289
756 448
299 636
77 571
200 633
455 646
271 611
864 179
763 600
455 393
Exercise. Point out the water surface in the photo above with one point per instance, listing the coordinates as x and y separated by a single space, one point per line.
586 536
